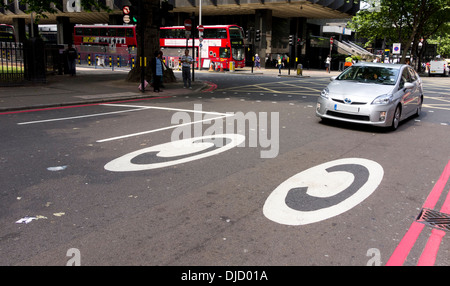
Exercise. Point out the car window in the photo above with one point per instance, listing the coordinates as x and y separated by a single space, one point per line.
413 74
405 77
370 74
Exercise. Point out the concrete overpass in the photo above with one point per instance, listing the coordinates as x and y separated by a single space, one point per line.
330 9
276 19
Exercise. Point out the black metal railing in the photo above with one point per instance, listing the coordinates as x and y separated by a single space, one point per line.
29 62
12 67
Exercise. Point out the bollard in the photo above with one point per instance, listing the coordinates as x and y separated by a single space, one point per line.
232 66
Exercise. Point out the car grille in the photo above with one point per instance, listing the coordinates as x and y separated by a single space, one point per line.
348 116
353 103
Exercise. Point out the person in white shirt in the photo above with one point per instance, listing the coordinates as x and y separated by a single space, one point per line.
327 64
186 62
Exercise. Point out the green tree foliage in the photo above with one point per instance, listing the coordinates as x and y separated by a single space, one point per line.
442 40
403 21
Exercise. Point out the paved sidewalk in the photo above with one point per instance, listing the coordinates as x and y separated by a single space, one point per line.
92 85
88 86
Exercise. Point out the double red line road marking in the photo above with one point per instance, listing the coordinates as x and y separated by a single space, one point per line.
429 254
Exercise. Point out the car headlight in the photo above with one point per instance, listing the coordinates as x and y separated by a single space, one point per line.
383 99
325 93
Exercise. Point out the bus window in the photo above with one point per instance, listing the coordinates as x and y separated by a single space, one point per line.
224 53
215 34
238 53
120 32
235 33
79 31
129 33
103 32
111 32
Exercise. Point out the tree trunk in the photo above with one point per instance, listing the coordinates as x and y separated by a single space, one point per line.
148 27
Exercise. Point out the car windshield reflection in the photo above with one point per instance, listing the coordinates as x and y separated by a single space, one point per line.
368 74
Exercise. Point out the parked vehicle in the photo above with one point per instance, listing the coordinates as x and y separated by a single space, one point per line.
438 67
372 93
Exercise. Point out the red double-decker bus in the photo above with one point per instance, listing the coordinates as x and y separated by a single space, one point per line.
7 33
105 35
106 44
220 45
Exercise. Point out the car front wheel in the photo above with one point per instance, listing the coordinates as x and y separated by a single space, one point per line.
419 107
396 119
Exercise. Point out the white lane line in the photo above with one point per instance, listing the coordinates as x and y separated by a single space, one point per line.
161 129
167 108
220 115
136 108
78 117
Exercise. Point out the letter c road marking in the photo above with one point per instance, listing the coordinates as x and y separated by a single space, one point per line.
173 153
323 191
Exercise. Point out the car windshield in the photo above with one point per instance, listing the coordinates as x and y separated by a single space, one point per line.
370 74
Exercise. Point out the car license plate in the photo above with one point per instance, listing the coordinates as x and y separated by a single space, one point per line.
346 108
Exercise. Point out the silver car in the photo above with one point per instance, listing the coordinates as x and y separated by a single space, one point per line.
372 93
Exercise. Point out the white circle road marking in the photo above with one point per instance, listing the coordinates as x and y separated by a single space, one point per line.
323 191
187 147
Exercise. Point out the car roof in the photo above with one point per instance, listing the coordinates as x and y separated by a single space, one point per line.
370 64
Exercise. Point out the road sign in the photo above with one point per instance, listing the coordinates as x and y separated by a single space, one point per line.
188 24
201 28
126 19
126 10
396 48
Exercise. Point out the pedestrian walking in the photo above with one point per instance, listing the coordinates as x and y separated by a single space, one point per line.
280 64
348 62
186 62
71 59
164 68
157 71
257 62
327 64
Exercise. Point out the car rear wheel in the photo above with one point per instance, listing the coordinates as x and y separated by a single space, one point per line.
396 119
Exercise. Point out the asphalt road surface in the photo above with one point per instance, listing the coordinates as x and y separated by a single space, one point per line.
240 174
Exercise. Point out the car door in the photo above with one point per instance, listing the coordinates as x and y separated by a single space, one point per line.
416 92
404 92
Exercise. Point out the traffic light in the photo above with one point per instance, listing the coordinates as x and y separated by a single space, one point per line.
134 15
257 35
299 41
247 35
130 14
291 40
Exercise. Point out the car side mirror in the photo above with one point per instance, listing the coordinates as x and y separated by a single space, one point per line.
333 78
408 85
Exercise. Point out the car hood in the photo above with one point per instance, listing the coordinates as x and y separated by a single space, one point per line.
357 91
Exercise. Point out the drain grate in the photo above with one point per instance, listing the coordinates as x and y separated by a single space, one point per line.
434 219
